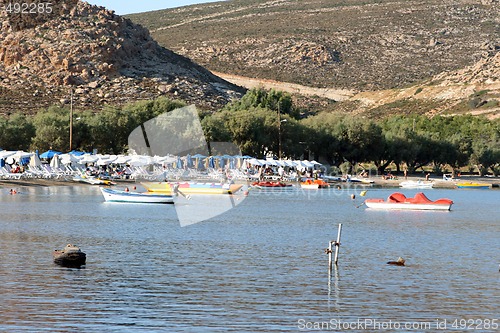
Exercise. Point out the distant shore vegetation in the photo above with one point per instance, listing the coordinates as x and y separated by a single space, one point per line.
254 125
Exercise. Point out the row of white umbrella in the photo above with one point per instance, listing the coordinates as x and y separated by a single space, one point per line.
195 161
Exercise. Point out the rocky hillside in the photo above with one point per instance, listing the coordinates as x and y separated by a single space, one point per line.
105 58
350 44
473 90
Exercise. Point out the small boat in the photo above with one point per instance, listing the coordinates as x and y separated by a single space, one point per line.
111 195
191 187
360 180
92 180
416 184
314 184
70 256
473 185
268 185
400 201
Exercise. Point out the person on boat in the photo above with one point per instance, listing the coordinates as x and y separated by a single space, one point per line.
427 176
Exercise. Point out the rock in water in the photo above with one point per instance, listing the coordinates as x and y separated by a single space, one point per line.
70 256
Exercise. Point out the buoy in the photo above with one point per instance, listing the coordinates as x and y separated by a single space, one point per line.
363 193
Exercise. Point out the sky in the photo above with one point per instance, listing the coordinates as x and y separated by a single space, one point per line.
122 7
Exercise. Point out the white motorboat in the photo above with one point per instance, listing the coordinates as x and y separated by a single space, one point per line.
416 184
111 195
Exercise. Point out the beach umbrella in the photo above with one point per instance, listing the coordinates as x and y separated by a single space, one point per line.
178 163
189 161
139 160
254 161
77 153
211 162
199 163
6 153
68 158
35 161
122 159
88 159
49 154
22 157
55 163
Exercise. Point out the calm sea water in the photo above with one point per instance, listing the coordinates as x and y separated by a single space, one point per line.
257 268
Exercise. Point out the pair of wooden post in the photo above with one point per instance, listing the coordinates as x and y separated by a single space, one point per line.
337 248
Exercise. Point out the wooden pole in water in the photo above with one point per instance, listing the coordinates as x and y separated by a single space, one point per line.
329 251
337 245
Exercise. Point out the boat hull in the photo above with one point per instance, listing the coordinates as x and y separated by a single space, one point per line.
192 187
405 206
135 197
398 201
314 184
277 186
473 185
416 184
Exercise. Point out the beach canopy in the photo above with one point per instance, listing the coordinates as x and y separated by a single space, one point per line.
50 153
77 153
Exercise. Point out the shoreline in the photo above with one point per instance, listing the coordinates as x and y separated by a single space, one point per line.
378 182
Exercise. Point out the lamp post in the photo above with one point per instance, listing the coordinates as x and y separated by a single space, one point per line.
279 135
71 121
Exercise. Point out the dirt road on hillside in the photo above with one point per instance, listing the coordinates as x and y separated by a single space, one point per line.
249 83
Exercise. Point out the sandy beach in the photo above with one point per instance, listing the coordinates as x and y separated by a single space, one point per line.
378 182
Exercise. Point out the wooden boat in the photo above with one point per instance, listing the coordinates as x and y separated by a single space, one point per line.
111 195
416 184
70 256
191 187
314 184
400 201
473 185
268 185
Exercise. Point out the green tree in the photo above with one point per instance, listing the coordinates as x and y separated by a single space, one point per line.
16 132
52 129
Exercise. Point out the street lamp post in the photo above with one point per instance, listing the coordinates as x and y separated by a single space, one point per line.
71 121
279 132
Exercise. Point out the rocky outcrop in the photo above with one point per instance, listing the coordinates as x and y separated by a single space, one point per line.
485 71
105 58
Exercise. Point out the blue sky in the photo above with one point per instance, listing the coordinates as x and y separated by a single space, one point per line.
122 7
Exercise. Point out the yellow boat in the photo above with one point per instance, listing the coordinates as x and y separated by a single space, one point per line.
192 187
473 185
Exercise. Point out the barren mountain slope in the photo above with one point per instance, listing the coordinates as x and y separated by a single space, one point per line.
350 44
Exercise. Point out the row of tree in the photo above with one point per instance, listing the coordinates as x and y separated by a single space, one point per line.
264 123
